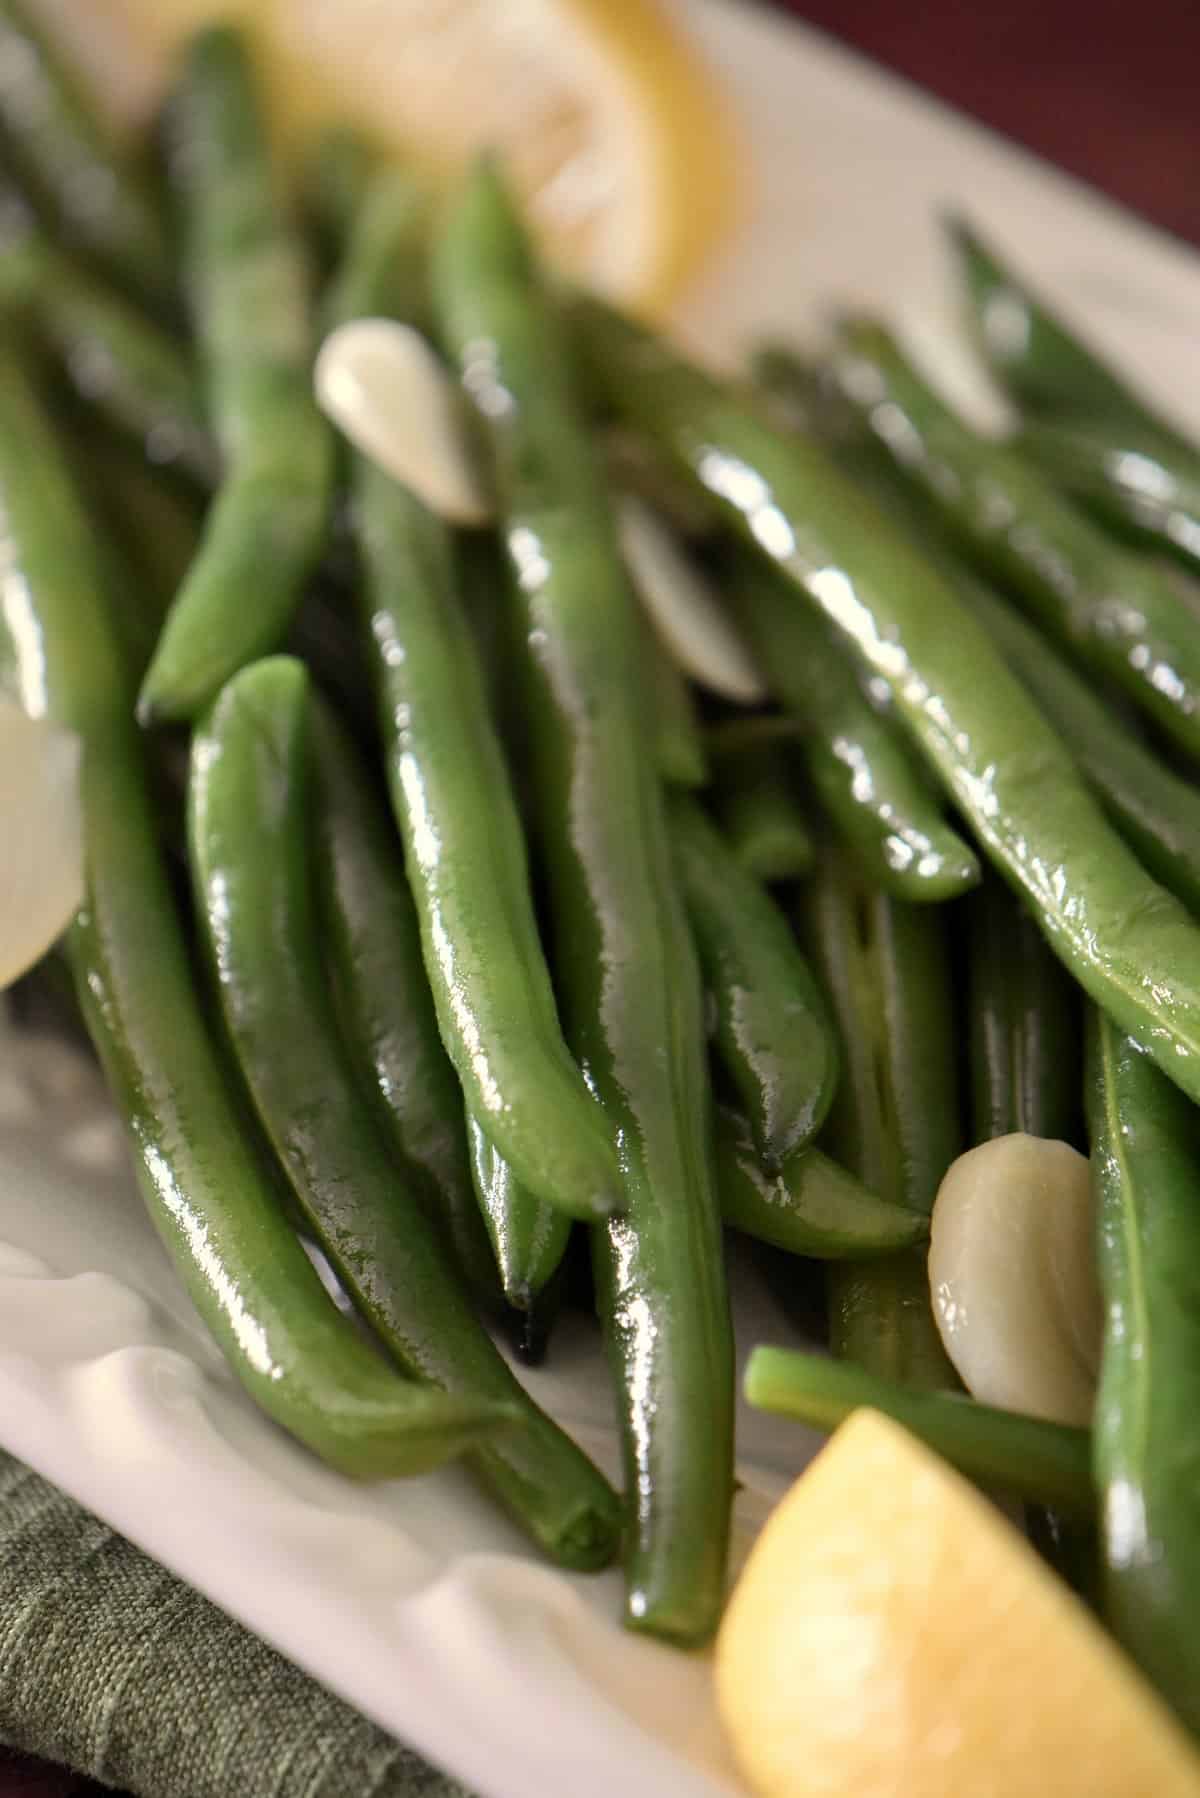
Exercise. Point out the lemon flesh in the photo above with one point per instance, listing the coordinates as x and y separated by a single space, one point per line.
892 1636
609 126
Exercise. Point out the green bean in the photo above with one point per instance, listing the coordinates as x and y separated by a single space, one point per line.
1024 1045
1044 1463
370 924
1136 482
894 1120
335 174
99 199
1145 1170
635 466
324 634
251 860
207 1190
773 1034
155 520
466 861
528 1237
119 362
386 230
247 286
754 798
810 1205
1129 944
1116 611
382 270
1024 1061
630 984
859 765
1155 810
1046 366
679 747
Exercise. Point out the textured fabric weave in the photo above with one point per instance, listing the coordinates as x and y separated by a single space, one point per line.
112 1666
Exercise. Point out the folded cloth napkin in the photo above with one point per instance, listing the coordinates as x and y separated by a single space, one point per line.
110 1665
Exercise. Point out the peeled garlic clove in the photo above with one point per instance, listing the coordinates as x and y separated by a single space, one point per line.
384 387
1012 1271
41 828
686 612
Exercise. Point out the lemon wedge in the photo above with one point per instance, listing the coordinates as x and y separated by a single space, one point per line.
41 872
892 1635
609 126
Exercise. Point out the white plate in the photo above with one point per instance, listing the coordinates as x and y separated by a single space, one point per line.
413 1600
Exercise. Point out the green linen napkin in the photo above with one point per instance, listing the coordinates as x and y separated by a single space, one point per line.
110 1665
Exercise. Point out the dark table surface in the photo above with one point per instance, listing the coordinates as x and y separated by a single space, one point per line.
1104 89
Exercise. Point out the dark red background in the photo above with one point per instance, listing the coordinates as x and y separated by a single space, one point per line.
1105 88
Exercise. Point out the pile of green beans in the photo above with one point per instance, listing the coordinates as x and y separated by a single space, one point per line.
515 969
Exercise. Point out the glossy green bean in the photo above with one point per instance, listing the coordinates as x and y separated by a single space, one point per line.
1044 363
120 363
528 1237
773 1033
1155 810
251 861
1025 1057
153 518
894 1121
335 172
678 744
754 799
1135 481
325 635
247 286
382 270
465 855
386 1009
1044 1463
1025 1046
1115 610
1128 943
630 983
810 1205
1145 1171
99 198
856 760
206 1187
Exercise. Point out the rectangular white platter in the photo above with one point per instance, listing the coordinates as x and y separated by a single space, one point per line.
413 1600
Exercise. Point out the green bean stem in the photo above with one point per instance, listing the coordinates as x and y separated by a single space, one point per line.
1043 1463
